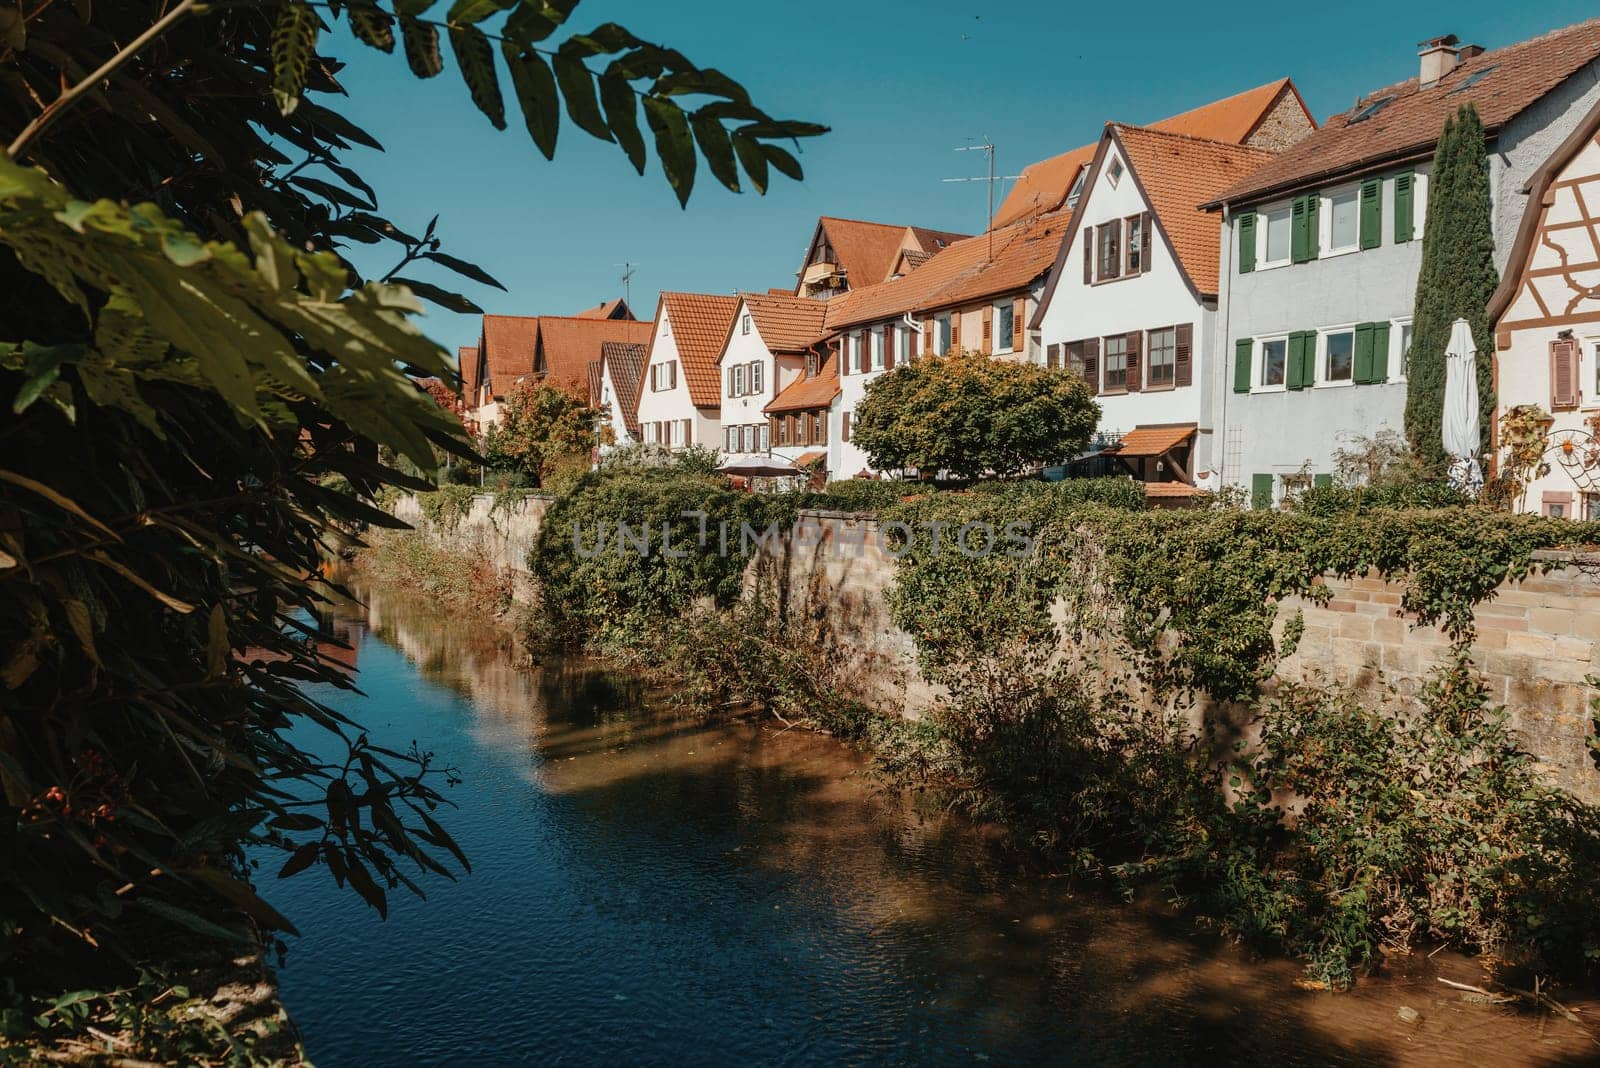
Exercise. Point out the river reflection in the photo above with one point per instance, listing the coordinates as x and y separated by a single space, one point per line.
652 890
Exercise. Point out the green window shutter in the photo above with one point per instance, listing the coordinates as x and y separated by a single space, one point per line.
1260 492
1313 226
1309 355
1380 352
1294 376
1405 207
1247 242
1363 367
1372 213
1299 231
1321 481
1242 350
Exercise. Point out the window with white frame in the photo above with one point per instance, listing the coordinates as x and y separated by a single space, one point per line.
1402 342
1276 231
1077 187
1114 173
744 325
737 388
1343 212
764 434
1135 231
1003 326
877 348
1338 356
852 346
1274 361
944 334
1161 361
755 377
902 351
1109 241
1114 354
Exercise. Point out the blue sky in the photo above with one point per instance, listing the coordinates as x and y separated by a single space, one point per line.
902 83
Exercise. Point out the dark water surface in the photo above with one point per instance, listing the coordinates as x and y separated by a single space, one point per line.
650 890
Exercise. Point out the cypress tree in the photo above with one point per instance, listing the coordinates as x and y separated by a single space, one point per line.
1457 279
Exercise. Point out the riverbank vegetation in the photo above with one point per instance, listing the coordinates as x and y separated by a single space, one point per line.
1111 699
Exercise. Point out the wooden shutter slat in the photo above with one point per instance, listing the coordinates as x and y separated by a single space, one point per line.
955 331
1372 213
1016 326
1361 373
1380 352
1261 492
1293 372
927 335
1405 207
1243 349
988 329
890 336
1563 373
1088 255
1146 224
1135 376
1247 242
1183 356
1091 363
1299 230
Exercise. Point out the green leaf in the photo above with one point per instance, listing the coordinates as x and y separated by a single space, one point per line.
443 297
709 82
622 116
198 924
407 8
467 12
750 157
372 25
477 68
607 37
674 144
536 92
301 859
294 42
463 268
577 87
531 22
217 643
781 159
717 147
422 47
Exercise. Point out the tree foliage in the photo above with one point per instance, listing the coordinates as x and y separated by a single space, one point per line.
200 396
1457 279
971 415
539 427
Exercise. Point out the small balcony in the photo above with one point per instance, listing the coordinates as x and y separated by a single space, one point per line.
823 275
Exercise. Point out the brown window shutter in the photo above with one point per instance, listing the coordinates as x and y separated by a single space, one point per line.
1145 241
1135 373
844 426
1016 325
955 331
1183 356
927 335
1088 255
1052 356
891 334
988 329
1091 363
1563 373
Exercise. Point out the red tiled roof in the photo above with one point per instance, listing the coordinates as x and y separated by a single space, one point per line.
626 364
510 344
700 323
1044 185
806 393
787 323
594 384
868 251
1170 489
1152 440
1178 174
962 273
1511 79
806 459
467 358
566 346
611 309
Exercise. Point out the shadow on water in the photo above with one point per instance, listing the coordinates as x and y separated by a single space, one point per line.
651 889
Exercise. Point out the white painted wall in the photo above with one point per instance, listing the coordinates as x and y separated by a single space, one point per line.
1154 300
777 372
611 410
705 427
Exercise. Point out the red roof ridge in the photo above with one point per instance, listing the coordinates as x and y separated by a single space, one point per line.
1233 146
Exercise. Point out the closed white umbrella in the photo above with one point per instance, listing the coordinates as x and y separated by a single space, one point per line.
1461 437
759 465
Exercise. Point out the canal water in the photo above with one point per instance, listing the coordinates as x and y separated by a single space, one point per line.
649 889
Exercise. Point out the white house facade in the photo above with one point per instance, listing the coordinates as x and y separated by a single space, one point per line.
766 350
679 398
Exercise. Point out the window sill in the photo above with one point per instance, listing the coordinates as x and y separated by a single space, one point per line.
1335 384
1114 392
1160 387
1335 253
1268 389
1118 278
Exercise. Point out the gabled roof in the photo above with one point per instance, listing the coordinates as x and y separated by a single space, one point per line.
467 358
566 347
625 362
595 379
1045 185
804 393
1502 84
1178 174
611 309
1153 440
510 346
962 273
787 323
700 323
867 250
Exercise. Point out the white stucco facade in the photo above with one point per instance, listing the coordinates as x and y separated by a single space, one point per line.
667 413
611 410
751 376
1148 304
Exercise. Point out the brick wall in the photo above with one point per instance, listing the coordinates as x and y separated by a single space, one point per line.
1283 126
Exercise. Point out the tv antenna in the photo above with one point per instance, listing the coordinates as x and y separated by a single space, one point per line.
987 148
628 271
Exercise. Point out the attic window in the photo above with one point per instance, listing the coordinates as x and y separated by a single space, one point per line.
1115 173
1474 78
1371 109
1077 187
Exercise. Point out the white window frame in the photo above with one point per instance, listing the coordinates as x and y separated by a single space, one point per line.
853 353
1397 348
765 437
1115 170
1264 227
943 333
1258 364
738 380
755 377
1323 379
1146 364
875 339
902 343
1003 337
1588 367
1325 244
744 326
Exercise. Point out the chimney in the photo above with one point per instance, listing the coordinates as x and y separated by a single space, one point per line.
1439 57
